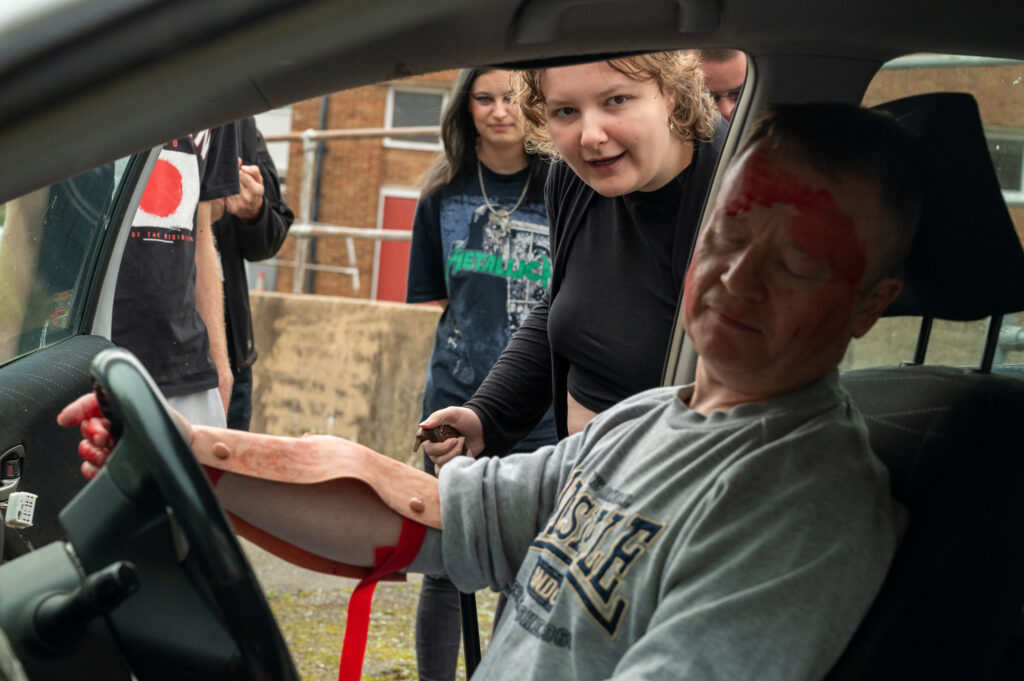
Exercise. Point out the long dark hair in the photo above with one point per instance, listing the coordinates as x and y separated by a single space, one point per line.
459 136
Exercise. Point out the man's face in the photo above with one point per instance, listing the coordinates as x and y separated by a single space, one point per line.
772 296
724 79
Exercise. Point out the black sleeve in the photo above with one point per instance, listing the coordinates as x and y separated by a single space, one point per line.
554 189
220 168
517 391
262 238
426 257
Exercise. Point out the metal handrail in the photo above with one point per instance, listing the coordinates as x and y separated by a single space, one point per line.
305 228
352 133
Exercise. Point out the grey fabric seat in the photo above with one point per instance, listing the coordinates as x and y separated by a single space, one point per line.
952 438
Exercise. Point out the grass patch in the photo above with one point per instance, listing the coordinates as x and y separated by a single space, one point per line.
313 625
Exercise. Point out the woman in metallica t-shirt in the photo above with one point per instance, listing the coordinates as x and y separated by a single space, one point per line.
481 249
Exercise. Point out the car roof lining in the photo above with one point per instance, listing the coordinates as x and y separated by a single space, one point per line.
311 48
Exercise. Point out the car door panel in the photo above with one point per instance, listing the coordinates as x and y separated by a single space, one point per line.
32 391
57 247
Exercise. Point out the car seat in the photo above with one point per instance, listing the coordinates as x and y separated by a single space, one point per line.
950 436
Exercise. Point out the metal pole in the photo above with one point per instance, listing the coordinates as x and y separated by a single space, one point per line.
470 632
350 245
305 209
311 140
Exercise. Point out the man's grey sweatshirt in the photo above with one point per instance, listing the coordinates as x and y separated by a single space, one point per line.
660 544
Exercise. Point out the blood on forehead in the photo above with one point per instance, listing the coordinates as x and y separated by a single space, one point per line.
819 228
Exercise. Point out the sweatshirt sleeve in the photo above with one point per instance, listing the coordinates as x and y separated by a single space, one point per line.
492 509
787 554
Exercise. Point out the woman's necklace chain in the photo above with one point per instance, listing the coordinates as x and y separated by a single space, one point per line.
501 215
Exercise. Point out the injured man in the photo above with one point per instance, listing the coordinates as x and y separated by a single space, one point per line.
736 528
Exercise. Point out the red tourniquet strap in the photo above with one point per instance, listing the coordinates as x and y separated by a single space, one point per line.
213 474
388 560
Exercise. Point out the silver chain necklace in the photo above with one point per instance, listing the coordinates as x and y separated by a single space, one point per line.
500 216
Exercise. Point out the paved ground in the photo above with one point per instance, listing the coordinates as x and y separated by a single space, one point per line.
279 576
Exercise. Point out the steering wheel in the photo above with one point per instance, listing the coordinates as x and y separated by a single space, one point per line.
199 612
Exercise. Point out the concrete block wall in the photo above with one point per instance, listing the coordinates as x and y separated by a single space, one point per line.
341 366
355 368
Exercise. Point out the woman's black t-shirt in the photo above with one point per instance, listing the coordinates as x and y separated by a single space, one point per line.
603 331
617 303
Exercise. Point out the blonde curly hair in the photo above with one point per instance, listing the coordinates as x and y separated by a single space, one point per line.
677 74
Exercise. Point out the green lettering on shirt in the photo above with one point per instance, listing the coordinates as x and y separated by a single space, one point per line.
488 263
454 263
545 275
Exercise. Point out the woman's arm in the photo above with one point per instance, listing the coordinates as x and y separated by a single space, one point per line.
517 391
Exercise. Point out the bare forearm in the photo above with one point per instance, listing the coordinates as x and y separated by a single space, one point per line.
209 289
210 295
343 520
327 495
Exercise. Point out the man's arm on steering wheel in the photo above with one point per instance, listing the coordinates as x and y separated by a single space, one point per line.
342 519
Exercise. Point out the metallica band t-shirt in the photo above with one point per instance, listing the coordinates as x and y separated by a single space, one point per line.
155 301
493 271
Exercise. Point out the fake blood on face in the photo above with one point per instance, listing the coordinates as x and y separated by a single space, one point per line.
819 228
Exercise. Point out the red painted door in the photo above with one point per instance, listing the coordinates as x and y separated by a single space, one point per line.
393 266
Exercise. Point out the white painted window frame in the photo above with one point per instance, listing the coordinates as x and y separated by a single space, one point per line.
402 143
1013 197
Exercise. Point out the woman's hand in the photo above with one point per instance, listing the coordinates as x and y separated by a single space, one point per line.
463 420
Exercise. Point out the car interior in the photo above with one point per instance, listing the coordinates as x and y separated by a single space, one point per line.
951 607
947 434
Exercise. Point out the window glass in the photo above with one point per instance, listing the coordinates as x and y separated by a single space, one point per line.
413 108
998 87
894 340
1008 158
48 244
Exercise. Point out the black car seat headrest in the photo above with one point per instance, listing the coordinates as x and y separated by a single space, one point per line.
966 262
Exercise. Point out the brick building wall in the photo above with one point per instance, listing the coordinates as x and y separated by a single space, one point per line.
354 171
353 174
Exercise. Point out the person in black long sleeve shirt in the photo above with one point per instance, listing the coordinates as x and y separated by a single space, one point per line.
253 226
637 142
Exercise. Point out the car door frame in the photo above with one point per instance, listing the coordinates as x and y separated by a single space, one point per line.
34 386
